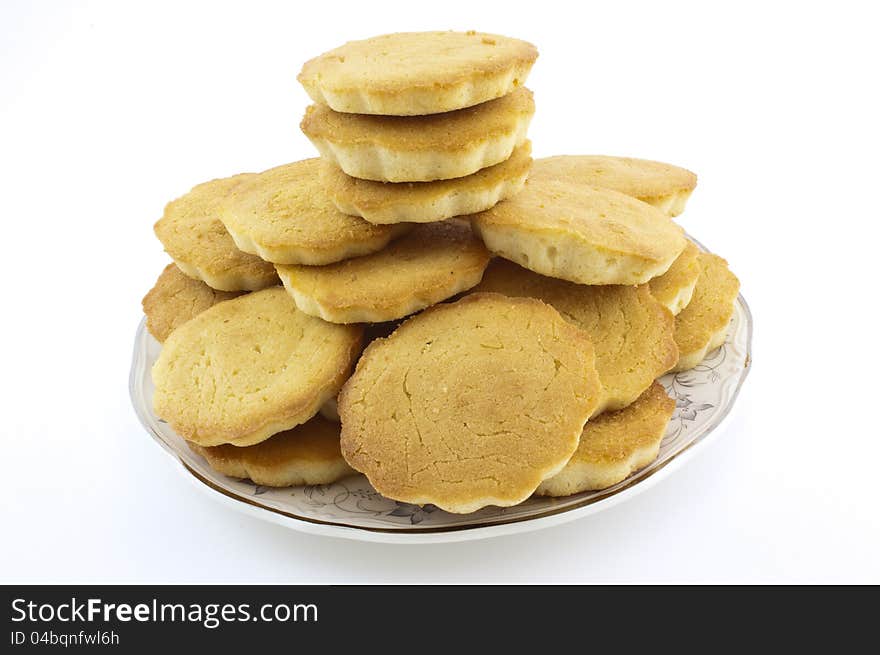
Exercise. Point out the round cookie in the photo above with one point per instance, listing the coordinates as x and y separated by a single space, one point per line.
176 298
421 148
194 237
426 202
307 454
250 367
285 216
665 186
433 262
469 404
632 333
416 73
615 445
675 288
589 235
702 326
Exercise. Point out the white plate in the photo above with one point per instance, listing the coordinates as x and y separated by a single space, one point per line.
352 509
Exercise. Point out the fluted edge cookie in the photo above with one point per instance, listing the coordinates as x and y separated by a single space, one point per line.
415 73
176 298
665 186
675 288
250 367
193 236
435 261
615 445
469 404
306 454
421 148
584 234
702 326
285 216
426 202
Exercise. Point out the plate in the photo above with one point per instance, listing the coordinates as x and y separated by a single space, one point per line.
351 508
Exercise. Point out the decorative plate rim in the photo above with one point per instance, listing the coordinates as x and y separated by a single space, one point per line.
422 534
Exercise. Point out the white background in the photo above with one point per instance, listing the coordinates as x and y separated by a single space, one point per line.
108 110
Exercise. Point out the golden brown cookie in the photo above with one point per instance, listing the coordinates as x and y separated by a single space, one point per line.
306 454
675 288
665 186
176 298
421 148
702 326
433 262
469 404
632 333
194 237
285 216
250 367
615 445
416 73
426 202
589 235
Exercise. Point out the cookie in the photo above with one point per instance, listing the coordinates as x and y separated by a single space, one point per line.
417 73
176 298
631 332
589 235
250 367
615 445
306 454
426 202
665 186
433 262
194 237
421 148
285 216
702 326
675 288
469 404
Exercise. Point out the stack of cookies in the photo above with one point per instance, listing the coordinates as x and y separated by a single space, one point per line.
440 116
426 305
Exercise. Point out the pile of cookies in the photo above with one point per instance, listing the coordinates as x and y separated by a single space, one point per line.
424 303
